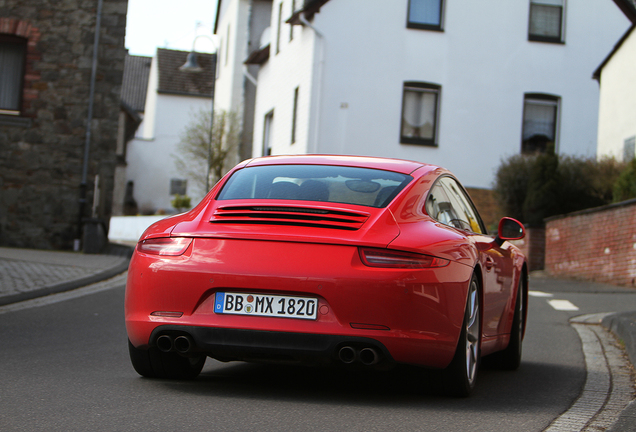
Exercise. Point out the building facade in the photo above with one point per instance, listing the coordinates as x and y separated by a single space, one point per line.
458 84
49 162
173 100
617 105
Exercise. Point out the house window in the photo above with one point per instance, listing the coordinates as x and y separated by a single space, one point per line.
425 14
178 186
546 21
420 106
294 116
12 59
540 114
267 133
278 29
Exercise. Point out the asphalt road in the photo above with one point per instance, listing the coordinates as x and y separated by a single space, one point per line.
65 366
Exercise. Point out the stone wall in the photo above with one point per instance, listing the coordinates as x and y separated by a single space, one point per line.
42 148
597 244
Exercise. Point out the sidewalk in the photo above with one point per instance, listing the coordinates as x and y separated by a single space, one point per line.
27 273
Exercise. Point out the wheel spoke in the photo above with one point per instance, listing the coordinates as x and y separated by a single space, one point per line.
472 332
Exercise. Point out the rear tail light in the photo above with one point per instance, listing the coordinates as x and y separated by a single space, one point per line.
165 246
397 259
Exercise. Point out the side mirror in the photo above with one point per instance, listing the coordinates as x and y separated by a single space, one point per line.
509 229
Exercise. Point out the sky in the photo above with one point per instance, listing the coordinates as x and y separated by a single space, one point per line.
153 24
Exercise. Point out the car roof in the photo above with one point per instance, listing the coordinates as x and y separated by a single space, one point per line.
387 164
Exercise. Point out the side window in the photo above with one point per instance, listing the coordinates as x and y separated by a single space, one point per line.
440 208
465 208
448 204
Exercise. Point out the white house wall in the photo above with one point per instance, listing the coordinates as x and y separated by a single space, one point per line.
147 127
150 161
617 109
233 21
482 60
290 68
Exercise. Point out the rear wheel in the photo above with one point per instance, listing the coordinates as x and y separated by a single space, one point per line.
460 376
152 363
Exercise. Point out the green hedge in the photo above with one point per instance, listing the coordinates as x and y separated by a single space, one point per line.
532 188
625 186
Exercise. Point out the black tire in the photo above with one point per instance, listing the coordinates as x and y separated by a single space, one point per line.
461 375
152 363
510 358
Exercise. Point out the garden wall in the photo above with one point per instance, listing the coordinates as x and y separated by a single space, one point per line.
596 244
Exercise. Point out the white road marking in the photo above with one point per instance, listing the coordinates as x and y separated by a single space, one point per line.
562 305
539 294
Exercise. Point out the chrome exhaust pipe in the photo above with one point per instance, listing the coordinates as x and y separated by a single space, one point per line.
164 343
182 344
347 355
369 356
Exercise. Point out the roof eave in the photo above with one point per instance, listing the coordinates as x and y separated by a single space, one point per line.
597 73
628 8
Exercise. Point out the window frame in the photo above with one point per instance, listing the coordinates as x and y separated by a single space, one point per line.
547 99
549 39
424 88
421 26
22 43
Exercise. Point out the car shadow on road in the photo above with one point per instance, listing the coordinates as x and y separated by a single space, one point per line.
534 386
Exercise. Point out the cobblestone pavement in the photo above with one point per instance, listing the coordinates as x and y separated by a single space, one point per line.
28 273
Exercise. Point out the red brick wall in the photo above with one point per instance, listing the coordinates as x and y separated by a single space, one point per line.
597 244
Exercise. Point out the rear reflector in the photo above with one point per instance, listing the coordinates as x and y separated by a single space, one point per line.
164 246
167 314
386 258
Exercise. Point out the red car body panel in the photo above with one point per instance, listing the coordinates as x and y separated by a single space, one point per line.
416 314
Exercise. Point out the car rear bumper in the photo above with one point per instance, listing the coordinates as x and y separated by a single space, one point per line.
258 345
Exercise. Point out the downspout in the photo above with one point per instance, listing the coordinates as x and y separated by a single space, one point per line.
313 148
89 121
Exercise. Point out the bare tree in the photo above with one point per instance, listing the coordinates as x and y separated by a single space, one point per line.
206 149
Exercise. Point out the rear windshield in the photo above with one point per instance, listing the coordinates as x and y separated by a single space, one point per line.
348 185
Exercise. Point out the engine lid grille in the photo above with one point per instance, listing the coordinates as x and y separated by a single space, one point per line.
290 215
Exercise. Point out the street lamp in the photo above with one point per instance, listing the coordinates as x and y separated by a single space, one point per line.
192 66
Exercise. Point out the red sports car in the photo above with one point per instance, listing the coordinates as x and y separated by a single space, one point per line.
328 259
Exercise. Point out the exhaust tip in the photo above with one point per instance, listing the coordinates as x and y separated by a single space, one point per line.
369 356
164 343
182 344
347 354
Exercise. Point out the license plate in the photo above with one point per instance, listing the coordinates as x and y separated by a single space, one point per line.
266 305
